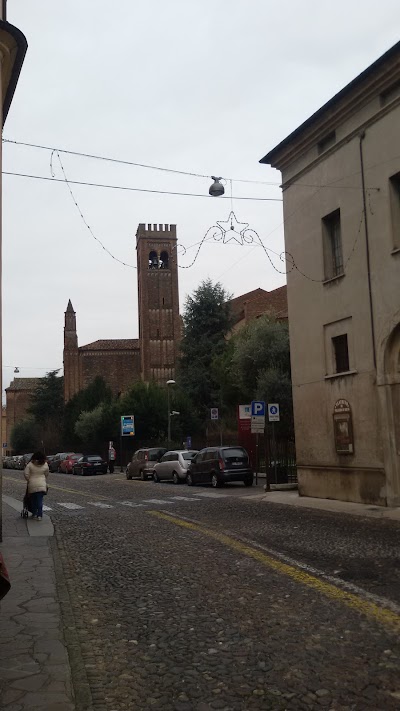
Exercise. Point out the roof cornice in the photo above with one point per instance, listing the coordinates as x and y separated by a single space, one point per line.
373 81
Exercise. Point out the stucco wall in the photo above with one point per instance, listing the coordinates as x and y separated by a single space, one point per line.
317 309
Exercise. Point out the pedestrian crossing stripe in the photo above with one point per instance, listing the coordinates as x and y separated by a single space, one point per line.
211 495
130 503
157 501
185 498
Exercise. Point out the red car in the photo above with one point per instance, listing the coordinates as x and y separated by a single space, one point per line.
67 464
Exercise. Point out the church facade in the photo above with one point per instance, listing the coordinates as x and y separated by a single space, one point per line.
152 356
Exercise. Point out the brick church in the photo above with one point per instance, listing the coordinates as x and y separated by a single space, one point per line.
153 355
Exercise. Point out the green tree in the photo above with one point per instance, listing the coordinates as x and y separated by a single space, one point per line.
207 321
96 427
25 436
148 402
47 402
260 366
96 393
47 409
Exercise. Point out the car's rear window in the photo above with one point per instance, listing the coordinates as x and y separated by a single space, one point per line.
189 455
75 457
234 453
155 455
94 459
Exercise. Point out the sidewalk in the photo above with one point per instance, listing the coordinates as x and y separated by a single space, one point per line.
292 498
34 666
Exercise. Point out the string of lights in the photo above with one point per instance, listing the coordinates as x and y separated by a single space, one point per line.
131 266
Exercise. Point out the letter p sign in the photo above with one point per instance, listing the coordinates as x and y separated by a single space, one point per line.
258 408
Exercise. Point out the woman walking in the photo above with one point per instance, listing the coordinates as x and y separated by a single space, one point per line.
36 473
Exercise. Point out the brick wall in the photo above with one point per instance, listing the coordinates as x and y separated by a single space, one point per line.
120 369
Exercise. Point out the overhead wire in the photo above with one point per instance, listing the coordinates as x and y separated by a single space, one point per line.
128 162
138 190
175 171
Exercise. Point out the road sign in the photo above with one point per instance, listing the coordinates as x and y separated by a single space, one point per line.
188 443
258 408
273 412
257 425
214 413
127 425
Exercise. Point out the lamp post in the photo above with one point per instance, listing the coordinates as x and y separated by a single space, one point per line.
169 382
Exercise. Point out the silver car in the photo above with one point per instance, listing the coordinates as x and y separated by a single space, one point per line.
174 465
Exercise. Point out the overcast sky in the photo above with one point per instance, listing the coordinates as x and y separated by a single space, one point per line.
203 87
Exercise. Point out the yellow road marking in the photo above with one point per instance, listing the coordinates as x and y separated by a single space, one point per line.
61 488
366 607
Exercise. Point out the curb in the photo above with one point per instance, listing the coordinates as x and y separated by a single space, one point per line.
35 528
80 683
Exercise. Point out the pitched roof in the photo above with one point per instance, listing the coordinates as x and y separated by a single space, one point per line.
70 308
117 344
261 300
356 83
24 384
250 295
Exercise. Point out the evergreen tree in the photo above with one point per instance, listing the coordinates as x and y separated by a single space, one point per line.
206 323
96 393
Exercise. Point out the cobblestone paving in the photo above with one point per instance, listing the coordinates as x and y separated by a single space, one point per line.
168 618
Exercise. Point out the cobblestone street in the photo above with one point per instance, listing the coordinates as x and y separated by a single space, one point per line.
188 599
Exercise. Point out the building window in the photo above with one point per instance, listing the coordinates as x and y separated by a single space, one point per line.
395 208
153 260
341 353
332 243
164 260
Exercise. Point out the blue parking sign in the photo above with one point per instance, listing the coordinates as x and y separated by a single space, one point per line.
258 408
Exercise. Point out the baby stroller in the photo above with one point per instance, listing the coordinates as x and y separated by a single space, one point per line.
26 505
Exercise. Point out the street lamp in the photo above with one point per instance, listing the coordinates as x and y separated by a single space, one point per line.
169 382
216 188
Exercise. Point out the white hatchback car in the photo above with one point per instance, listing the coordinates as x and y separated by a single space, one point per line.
174 465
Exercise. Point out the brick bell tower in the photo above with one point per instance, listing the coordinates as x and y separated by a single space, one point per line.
158 299
71 354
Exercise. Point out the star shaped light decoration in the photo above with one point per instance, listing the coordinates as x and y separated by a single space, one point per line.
232 229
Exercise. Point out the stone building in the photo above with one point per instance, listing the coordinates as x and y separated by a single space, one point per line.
341 200
154 354
18 400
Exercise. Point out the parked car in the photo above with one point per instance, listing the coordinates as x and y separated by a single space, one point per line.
174 465
18 462
56 462
218 465
67 464
143 462
26 458
90 464
49 459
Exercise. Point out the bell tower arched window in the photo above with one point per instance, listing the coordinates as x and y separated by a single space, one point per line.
153 260
164 260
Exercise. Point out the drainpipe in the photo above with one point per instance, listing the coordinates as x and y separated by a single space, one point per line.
371 308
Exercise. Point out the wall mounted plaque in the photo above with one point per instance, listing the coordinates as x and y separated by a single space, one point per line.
343 427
